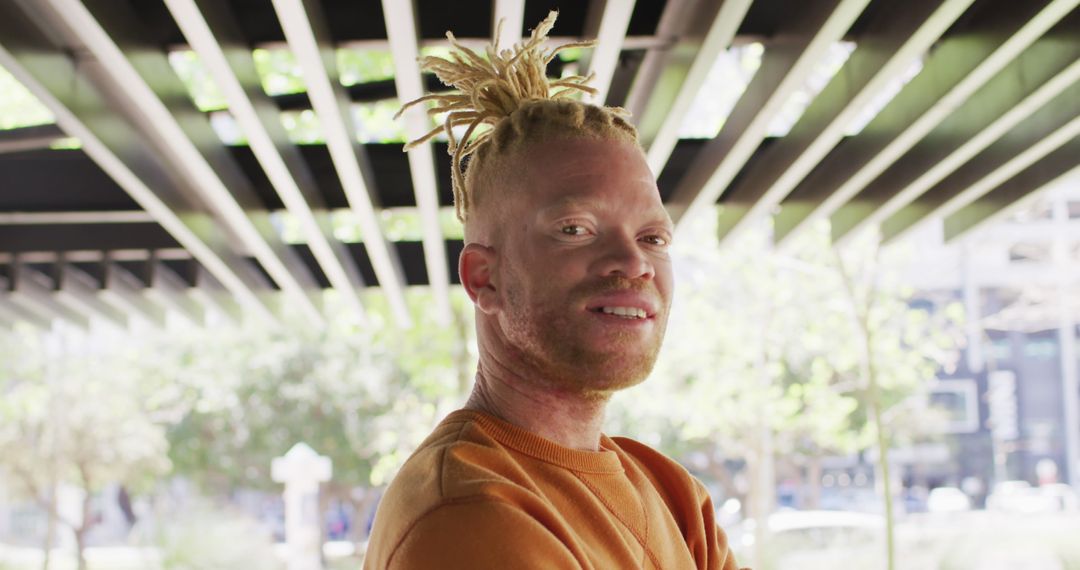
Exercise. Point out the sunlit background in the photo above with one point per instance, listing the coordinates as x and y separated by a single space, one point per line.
805 382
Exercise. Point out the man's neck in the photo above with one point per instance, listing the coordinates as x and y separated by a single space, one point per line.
571 420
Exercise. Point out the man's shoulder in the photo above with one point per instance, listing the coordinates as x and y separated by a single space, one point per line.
458 473
458 459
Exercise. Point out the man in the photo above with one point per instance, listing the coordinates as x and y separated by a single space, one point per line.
566 261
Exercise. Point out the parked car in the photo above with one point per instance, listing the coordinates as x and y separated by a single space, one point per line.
1021 498
947 500
818 539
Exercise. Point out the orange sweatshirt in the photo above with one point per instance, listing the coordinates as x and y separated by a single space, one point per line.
481 493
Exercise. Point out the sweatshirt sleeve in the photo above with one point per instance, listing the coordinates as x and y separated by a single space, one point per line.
483 533
720 556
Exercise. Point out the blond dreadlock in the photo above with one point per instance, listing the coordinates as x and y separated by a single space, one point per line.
508 81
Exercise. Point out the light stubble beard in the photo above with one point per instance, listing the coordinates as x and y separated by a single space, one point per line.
545 343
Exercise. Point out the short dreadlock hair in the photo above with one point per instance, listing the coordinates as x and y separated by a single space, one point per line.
507 102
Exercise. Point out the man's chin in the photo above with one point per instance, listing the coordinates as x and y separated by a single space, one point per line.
604 375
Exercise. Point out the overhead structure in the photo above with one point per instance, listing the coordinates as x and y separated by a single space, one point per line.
401 27
138 203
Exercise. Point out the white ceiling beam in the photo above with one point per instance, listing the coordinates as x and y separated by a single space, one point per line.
79 291
305 30
99 217
51 77
669 79
14 313
665 117
801 42
172 140
123 290
214 38
906 209
957 69
213 296
171 292
607 21
1060 166
401 28
34 292
510 12
893 41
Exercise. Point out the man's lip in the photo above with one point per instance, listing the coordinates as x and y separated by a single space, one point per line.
627 299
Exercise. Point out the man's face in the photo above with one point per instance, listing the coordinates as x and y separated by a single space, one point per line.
583 268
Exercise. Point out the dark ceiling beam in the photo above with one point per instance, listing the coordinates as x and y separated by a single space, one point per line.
956 68
306 31
402 32
96 236
607 22
29 138
137 75
1012 132
214 34
895 38
804 37
1058 167
669 79
81 111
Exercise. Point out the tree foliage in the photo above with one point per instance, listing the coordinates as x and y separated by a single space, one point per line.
763 344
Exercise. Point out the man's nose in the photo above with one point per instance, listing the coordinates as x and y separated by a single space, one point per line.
625 256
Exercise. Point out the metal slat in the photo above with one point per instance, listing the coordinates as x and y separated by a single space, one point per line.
958 67
803 39
80 110
607 21
934 193
1057 168
896 37
214 35
181 134
306 31
401 28
669 79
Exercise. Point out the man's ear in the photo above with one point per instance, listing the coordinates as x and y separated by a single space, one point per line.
476 266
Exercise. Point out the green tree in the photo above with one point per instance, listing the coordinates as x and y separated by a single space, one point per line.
363 395
77 418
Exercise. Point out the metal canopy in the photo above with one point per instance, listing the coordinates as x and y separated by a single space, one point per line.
154 215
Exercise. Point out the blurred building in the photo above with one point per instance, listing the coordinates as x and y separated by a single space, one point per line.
1012 401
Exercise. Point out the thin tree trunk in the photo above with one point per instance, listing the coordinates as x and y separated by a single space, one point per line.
868 371
50 528
813 476
80 546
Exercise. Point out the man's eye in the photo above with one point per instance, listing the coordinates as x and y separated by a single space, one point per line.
656 240
574 230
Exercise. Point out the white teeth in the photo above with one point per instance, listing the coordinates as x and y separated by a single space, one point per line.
628 312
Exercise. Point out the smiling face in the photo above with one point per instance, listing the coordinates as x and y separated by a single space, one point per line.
581 278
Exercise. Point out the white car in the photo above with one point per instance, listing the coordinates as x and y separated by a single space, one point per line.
1021 498
947 500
